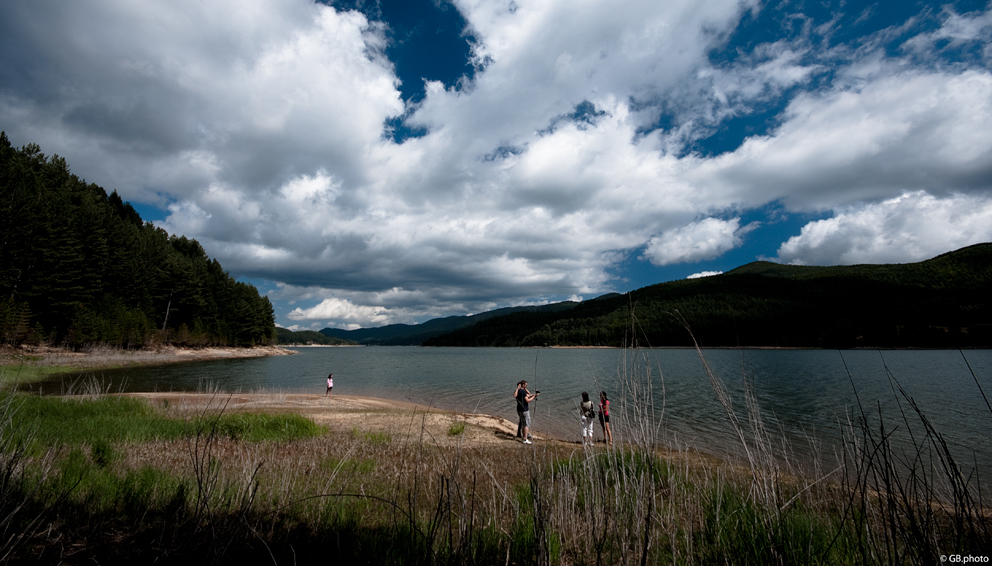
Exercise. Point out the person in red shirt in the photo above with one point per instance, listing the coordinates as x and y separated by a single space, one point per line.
604 417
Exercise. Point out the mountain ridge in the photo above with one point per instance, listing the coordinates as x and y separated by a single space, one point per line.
940 302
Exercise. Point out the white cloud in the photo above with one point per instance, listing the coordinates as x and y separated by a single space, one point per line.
342 310
901 131
172 98
909 228
260 125
702 274
955 31
706 239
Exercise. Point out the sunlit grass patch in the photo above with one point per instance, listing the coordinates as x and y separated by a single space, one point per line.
30 369
372 437
258 427
52 421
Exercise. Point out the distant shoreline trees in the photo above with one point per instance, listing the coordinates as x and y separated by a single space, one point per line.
79 267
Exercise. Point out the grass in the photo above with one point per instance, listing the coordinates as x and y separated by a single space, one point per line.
20 367
374 438
111 419
115 480
30 370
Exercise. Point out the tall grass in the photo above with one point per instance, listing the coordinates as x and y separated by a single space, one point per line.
917 504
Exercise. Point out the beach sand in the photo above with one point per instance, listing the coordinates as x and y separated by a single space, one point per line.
347 413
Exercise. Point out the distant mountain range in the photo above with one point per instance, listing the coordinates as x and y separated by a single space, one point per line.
416 334
288 337
944 302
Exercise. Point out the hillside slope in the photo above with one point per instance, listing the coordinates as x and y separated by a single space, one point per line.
942 302
79 267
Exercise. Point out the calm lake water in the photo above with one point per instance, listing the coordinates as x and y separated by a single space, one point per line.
801 394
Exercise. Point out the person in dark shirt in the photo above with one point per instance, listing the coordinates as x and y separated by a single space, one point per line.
524 397
604 417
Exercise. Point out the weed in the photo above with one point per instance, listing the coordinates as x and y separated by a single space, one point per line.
373 438
103 453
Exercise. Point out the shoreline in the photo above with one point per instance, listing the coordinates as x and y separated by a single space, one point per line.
25 364
95 357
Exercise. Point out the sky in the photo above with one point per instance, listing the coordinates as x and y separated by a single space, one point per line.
371 162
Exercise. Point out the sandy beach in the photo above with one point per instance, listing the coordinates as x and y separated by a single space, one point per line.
349 412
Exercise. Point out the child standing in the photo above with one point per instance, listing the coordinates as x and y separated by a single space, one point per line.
587 414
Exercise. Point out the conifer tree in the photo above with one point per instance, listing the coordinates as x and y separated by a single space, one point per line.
78 266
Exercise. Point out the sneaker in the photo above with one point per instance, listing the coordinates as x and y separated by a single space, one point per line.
528 442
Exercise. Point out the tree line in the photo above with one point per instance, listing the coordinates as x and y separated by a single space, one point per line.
80 267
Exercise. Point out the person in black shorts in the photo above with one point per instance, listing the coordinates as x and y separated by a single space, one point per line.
604 417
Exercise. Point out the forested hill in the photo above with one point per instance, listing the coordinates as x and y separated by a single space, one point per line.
80 267
942 302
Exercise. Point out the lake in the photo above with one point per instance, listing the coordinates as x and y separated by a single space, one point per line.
801 394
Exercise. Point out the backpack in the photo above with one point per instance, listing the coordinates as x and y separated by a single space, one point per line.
587 410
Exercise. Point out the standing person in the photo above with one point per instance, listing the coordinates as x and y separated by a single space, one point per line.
330 384
587 413
524 398
604 417
520 426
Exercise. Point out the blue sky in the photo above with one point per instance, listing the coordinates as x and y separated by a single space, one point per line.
366 163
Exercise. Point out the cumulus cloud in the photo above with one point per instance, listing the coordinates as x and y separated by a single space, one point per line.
701 240
174 98
912 227
260 126
908 130
342 311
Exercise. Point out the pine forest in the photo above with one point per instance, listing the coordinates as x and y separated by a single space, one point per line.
80 267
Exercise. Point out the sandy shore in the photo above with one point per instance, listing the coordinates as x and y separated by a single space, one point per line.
345 413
